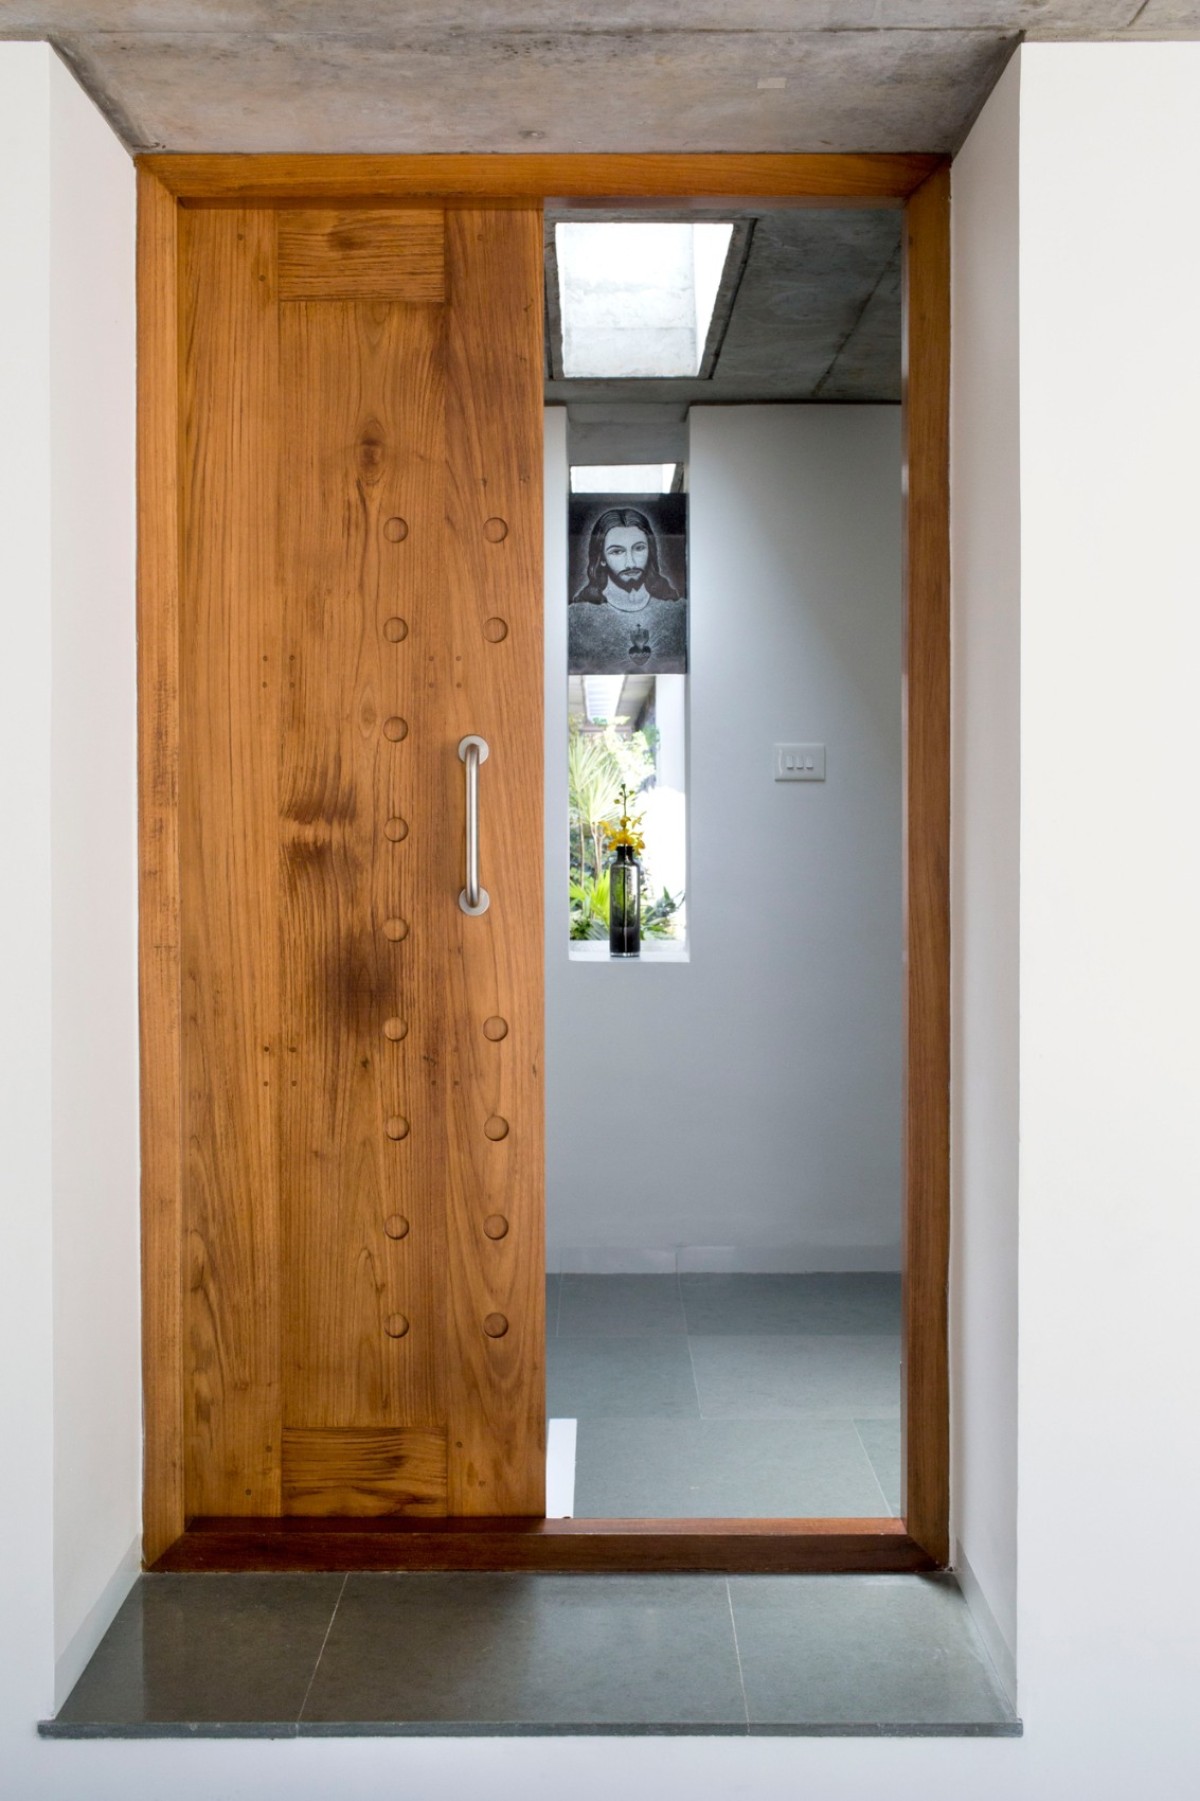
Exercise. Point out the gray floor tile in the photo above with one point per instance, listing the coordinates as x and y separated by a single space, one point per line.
208 1649
883 1445
861 1650
775 1377
721 1469
525 1649
743 1305
619 1305
597 1377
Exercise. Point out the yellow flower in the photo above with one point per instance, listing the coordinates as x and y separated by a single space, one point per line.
626 831
625 834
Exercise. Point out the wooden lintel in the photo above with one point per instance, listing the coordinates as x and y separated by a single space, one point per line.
842 181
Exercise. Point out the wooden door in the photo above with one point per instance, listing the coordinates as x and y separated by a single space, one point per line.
361 1061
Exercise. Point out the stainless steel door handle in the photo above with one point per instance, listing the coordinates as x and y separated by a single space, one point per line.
474 899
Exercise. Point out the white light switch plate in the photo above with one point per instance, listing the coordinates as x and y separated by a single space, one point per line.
799 762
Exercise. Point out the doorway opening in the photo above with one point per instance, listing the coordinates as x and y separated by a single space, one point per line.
245 1467
724 1107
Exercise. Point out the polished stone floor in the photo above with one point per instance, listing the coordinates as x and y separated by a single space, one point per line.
728 1396
311 1655
696 1395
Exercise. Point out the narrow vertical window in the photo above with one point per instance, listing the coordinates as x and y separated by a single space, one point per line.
627 649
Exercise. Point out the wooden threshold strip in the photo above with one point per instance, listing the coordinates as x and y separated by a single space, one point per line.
730 1547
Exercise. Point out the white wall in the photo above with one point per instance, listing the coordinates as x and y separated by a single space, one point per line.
71 1154
26 1265
754 1090
985 861
1110 1231
1110 901
97 1304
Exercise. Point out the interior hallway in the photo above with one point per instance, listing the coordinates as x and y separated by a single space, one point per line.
728 1397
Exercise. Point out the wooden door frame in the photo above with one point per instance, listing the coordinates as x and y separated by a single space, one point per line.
919 1539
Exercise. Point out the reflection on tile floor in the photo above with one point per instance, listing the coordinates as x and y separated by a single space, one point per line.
723 1469
288 1656
715 1396
541 1649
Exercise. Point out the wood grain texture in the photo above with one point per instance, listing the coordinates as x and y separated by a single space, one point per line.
494 963
927 865
342 461
361 254
364 1472
361 439
733 1547
832 180
229 862
158 867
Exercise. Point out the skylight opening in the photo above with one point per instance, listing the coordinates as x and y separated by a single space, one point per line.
637 300
623 478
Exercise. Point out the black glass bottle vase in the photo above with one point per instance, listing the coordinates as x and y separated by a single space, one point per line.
625 904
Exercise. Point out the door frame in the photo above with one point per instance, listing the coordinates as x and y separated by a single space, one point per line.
917 1540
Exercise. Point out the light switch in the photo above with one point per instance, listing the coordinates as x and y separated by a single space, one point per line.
799 762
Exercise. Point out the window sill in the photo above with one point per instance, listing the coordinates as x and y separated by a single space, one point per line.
594 950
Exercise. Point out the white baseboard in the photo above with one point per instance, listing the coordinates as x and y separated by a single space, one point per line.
722 1259
600 1260
79 1650
995 1643
788 1259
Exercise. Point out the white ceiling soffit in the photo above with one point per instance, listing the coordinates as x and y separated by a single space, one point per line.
602 697
558 75
623 478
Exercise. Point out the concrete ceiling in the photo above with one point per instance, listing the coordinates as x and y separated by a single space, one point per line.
811 312
504 75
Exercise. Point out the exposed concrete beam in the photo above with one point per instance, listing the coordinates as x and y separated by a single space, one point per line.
1037 18
608 91
558 75
625 432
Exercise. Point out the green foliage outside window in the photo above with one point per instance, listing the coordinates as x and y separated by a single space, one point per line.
599 764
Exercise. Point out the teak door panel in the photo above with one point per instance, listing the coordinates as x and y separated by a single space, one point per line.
361 587
229 654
